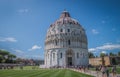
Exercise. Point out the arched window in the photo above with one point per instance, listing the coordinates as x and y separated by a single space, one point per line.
53 56
60 55
68 42
77 55
55 42
61 30
80 32
68 30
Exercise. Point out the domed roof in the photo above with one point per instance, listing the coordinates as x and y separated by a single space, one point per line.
65 29
65 18
65 14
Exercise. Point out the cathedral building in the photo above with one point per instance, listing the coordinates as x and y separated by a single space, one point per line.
66 43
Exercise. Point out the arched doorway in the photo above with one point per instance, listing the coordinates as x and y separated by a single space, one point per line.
69 57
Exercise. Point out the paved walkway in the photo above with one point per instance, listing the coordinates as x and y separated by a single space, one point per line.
93 73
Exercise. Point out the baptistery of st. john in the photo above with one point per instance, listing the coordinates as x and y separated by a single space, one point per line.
66 43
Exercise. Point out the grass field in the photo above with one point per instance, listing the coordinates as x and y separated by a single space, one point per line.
41 73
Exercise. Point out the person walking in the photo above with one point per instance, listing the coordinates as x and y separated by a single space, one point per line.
107 72
97 71
114 71
103 71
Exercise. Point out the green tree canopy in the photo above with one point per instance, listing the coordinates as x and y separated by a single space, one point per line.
102 54
91 55
4 52
112 54
6 56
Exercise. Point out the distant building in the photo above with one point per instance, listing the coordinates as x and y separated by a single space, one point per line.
66 43
107 61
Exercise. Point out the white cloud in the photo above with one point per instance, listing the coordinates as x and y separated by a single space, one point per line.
91 49
104 52
8 39
105 47
35 47
18 51
23 10
109 47
94 31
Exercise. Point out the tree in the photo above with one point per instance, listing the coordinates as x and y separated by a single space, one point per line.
10 58
91 55
102 54
3 55
112 54
4 52
1 58
6 57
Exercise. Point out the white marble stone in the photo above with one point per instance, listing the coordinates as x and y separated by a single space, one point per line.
66 43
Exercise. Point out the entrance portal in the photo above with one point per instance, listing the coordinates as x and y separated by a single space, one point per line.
69 61
69 57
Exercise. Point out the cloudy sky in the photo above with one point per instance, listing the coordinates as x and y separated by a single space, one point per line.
23 24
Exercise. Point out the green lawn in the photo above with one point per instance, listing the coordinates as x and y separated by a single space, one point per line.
41 73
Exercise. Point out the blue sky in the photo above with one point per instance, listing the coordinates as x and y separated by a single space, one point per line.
23 24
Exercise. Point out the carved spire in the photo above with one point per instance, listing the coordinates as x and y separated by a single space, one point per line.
65 14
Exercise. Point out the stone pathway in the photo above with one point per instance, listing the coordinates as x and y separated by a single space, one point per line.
93 73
